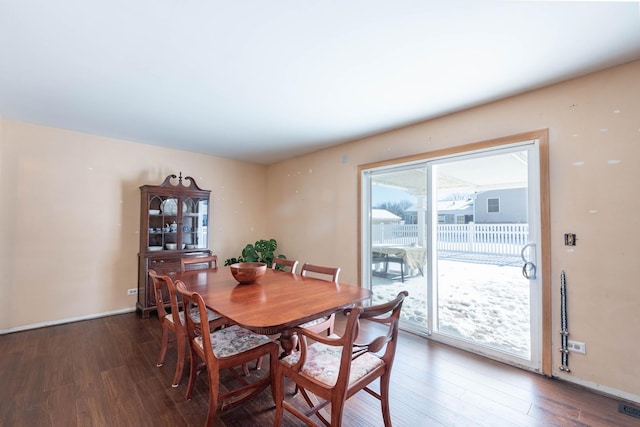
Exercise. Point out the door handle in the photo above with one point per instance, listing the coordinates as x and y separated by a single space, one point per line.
529 267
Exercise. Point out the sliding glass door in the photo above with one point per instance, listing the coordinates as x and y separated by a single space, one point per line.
461 233
398 238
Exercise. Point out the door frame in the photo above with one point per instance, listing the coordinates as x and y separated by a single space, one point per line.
544 263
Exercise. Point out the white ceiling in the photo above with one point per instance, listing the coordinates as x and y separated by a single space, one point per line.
265 80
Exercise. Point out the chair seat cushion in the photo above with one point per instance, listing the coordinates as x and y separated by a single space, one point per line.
323 363
315 322
195 314
233 340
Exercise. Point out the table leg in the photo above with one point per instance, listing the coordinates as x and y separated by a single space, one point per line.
288 341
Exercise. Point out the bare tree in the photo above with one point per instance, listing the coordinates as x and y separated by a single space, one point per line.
457 196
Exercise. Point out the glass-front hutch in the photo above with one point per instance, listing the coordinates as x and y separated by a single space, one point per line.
174 222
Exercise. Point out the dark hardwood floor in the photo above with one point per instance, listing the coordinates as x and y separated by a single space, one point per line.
102 372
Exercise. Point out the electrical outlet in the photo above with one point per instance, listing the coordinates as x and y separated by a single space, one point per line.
570 239
577 347
133 291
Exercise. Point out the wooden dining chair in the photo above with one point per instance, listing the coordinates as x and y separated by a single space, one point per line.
283 264
223 349
335 368
324 323
174 321
198 263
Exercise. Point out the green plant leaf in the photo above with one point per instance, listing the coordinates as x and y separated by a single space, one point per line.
260 251
250 253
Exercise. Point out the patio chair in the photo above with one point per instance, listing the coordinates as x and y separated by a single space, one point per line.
397 260
378 258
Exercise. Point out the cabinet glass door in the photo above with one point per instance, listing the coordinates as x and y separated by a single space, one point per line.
156 232
195 223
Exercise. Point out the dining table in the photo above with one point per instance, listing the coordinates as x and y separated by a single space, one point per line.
275 304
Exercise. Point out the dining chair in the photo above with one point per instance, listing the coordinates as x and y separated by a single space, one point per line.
334 368
223 349
283 264
174 321
324 323
209 262
198 263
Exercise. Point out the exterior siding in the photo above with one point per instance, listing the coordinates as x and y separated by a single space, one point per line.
513 207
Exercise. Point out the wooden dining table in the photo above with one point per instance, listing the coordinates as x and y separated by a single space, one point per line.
278 302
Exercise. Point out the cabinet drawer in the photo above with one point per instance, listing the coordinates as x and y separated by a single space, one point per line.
164 265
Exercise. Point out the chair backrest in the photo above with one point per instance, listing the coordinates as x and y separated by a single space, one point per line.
385 314
199 263
319 271
282 263
160 282
192 304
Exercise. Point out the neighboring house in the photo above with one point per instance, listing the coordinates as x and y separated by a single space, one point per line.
505 206
383 224
455 211
383 216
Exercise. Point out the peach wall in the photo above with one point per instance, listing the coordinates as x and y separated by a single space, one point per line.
70 218
313 206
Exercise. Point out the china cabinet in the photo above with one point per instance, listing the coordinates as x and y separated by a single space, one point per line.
174 219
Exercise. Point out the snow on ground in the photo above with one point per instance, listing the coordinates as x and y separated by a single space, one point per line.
486 303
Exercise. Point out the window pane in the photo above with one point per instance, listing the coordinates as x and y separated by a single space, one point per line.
493 205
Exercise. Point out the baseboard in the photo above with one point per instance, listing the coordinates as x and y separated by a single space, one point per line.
68 320
595 387
599 388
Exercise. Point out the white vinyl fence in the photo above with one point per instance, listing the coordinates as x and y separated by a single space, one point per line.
499 239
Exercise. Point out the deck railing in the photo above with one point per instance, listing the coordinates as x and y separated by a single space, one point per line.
500 239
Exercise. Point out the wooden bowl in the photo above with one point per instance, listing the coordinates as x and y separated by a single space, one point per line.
248 272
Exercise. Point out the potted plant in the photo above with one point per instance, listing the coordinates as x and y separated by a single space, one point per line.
260 251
